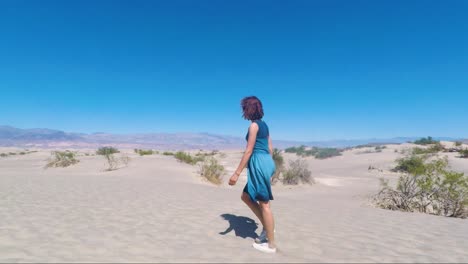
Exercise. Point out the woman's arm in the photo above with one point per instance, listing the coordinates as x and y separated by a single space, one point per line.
253 130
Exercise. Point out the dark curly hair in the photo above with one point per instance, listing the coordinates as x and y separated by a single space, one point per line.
252 108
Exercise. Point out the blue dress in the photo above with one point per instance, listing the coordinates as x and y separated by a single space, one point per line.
261 167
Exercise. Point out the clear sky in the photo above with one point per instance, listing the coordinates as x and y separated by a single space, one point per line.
324 69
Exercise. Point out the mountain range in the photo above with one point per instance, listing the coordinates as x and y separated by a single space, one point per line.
50 138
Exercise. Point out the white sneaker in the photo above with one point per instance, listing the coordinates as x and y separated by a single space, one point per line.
264 248
262 238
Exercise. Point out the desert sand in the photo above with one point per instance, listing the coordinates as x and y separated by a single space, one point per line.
159 210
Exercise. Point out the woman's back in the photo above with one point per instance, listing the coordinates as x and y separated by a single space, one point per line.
261 143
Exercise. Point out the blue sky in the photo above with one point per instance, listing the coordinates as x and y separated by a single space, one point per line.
323 69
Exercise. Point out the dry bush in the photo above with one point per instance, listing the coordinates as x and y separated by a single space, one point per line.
464 153
143 152
296 173
211 170
279 164
426 141
113 162
107 151
427 187
125 159
187 158
61 159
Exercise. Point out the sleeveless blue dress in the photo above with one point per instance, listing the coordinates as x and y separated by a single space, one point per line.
261 167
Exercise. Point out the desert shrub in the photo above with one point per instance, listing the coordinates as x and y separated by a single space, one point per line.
323 153
167 153
464 153
412 164
136 150
458 143
429 187
11 153
279 164
3 155
212 171
22 153
433 149
301 151
187 158
107 151
425 141
364 146
125 159
418 151
318 153
143 152
222 155
112 161
202 155
380 148
296 173
61 159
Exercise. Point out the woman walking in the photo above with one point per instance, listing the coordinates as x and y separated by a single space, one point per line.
261 167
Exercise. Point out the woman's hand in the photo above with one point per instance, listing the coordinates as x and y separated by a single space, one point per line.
234 178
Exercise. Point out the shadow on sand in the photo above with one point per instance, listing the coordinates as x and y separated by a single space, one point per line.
243 226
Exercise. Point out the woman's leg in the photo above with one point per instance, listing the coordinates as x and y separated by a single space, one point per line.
268 222
255 207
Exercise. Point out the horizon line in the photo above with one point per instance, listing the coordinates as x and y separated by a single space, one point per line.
219 134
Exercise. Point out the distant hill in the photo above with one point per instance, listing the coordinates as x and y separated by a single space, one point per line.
49 138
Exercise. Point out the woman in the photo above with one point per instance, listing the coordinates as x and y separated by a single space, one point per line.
261 167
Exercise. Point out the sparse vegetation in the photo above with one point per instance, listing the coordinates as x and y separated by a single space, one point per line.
107 151
458 143
279 164
412 164
113 162
427 187
464 153
61 159
426 141
433 149
144 152
296 173
125 159
187 158
211 170
200 154
380 148
25 152
318 153
167 153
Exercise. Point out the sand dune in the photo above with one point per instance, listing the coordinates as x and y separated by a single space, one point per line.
159 210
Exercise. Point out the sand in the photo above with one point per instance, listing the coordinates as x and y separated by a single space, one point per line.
159 210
